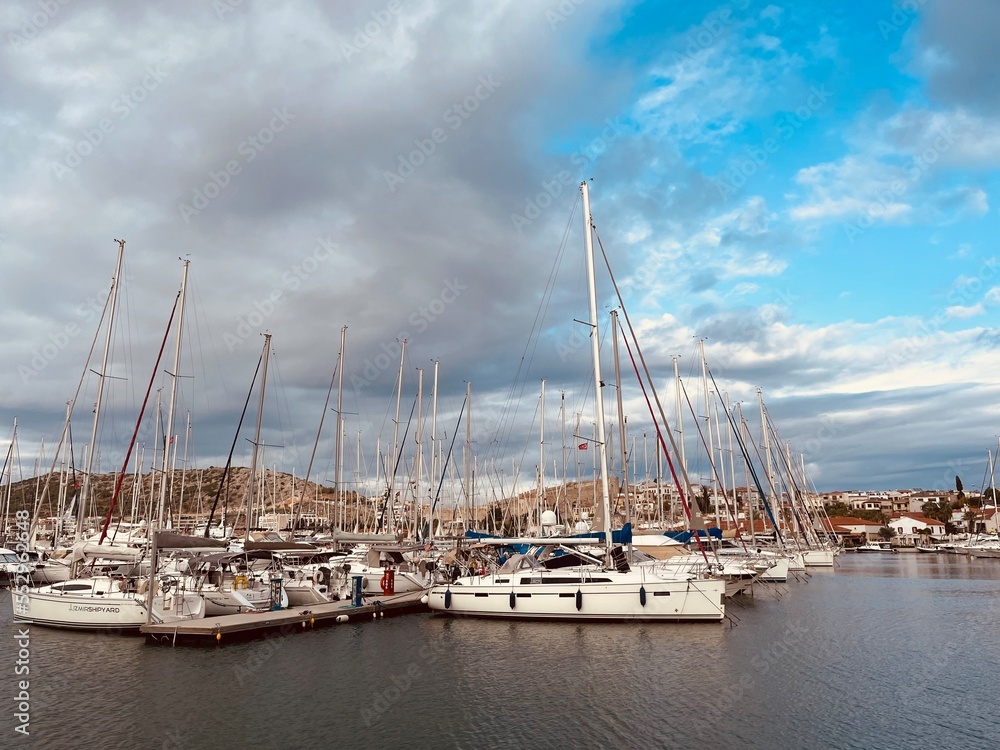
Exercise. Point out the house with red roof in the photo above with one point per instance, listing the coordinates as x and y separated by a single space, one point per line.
912 524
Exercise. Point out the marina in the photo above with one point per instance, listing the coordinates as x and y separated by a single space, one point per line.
500 375
824 662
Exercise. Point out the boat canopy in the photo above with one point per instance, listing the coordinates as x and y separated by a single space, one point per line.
171 540
89 551
281 546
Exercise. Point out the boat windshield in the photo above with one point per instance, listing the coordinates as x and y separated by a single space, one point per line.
520 562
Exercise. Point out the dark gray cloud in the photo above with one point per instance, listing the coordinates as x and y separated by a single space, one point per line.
956 48
408 171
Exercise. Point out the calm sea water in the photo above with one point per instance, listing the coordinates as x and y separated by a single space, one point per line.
884 652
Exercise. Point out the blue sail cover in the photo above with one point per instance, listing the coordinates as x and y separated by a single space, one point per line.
685 536
618 536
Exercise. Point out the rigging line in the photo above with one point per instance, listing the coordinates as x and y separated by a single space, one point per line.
773 432
794 491
389 480
663 417
500 434
138 423
312 457
229 461
738 432
711 462
447 461
66 425
199 319
760 487
663 445
283 401
396 385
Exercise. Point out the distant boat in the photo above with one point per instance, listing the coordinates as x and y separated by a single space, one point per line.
927 549
875 547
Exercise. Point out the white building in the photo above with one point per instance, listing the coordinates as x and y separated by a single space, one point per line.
912 524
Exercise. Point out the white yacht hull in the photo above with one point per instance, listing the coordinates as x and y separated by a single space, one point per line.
94 604
567 595
818 558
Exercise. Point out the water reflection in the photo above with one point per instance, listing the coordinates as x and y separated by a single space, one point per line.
883 652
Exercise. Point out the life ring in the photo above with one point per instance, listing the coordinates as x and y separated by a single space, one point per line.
240 582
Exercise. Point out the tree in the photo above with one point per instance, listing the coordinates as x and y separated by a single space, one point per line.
939 511
838 509
958 488
886 533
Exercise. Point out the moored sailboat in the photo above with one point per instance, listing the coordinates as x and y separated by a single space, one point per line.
606 589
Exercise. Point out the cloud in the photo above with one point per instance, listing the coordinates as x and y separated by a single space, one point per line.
955 48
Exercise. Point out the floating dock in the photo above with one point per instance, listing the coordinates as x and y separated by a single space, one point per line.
212 631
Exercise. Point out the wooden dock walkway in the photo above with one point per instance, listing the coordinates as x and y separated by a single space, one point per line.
232 628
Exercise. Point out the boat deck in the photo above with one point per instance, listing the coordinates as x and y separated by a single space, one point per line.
232 628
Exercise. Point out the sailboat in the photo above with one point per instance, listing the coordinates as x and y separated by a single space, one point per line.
606 589
97 599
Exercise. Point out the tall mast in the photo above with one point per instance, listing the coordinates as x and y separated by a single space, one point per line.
595 348
168 437
81 508
562 417
256 439
419 436
622 445
751 500
338 494
395 434
775 499
732 466
433 473
468 454
680 438
708 428
541 463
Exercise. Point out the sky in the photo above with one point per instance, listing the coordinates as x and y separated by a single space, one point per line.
811 190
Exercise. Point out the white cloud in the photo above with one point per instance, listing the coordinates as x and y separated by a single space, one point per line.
961 312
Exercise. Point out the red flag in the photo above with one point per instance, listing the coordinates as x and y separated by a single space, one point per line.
582 446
